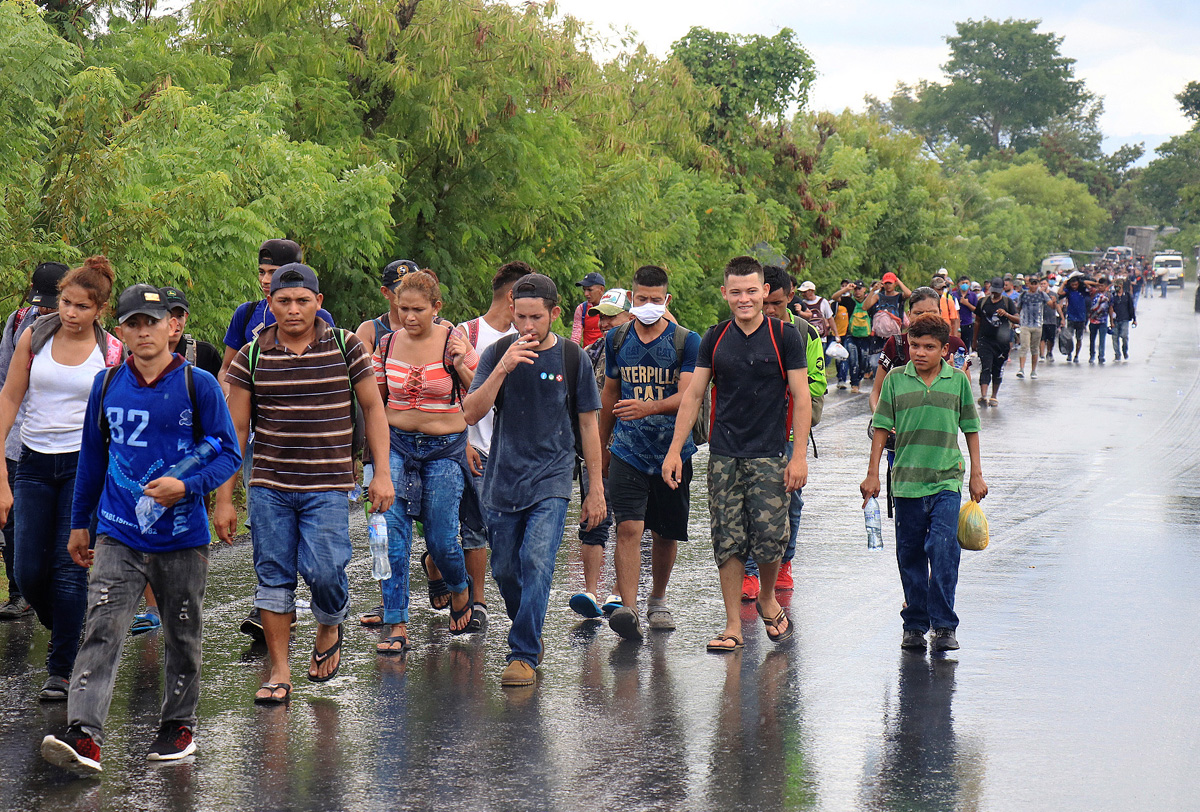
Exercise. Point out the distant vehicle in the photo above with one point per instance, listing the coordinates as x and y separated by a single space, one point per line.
1118 253
1168 265
1057 264
1141 239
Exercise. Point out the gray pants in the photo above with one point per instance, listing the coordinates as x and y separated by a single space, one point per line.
115 585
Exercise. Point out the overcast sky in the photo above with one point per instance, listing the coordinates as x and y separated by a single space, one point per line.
1137 55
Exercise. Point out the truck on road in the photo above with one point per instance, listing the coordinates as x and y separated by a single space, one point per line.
1141 239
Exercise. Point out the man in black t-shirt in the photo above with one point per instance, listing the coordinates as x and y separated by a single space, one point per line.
994 320
755 366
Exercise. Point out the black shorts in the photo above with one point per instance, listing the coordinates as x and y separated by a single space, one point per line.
637 496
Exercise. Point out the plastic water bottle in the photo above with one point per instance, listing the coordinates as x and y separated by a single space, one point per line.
377 534
874 524
960 358
149 511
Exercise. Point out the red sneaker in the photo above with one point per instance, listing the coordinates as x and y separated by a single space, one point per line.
750 587
784 581
74 751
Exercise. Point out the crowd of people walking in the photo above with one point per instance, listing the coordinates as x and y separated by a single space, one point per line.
119 445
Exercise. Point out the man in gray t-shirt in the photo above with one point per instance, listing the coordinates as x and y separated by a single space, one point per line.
528 480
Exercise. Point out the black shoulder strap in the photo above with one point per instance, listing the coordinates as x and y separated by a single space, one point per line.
456 384
572 357
619 340
502 344
386 352
102 421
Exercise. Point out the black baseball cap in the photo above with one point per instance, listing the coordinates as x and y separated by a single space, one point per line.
294 275
279 253
858 283
43 287
141 298
536 286
175 298
997 284
394 271
589 280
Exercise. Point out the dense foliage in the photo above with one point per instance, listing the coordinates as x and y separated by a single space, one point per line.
464 133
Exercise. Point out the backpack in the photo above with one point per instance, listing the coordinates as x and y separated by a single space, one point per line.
700 427
818 322
102 418
456 384
46 326
357 424
572 360
859 320
473 332
885 324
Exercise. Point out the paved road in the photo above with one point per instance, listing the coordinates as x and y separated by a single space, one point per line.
1075 687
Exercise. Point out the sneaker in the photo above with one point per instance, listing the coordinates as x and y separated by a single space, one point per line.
750 588
624 621
74 751
54 689
148 621
16 609
1033 376
944 640
1021 374
841 385
253 627
784 580
173 741
611 604
1101 362
913 639
516 674
584 603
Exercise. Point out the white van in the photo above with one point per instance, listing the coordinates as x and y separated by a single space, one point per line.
1168 265
1118 253
1057 265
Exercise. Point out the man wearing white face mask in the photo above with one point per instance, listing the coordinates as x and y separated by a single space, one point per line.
649 363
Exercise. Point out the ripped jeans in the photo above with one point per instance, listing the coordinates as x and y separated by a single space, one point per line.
115 586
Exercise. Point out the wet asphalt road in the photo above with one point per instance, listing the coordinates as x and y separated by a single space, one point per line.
1075 687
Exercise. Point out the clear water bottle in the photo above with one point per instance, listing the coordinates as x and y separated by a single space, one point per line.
377 534
960 358
149 511
874 524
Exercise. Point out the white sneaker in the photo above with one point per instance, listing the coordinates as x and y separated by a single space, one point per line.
1033 376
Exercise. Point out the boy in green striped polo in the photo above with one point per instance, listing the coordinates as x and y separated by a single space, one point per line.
927 402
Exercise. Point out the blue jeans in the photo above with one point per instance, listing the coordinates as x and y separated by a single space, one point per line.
795 510
524 547
301 533
859 348
927 554
441 491
54 585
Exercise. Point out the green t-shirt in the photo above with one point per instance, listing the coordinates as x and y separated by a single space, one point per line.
860 320
927 421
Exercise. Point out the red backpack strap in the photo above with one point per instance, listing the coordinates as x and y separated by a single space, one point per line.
712 411
473 332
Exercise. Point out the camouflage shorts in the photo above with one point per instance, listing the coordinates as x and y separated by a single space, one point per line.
748 508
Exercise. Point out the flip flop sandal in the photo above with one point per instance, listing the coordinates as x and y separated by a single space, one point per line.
319 657
271 699
372 619
774 623
584 603
722 649
437 586
612 604
389 641
468 612
993 402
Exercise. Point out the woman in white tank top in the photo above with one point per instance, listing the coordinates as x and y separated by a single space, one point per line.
53 369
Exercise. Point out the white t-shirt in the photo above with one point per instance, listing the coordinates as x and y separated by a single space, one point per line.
58 398
480 435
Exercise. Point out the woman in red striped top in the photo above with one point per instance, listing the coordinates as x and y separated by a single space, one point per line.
423 369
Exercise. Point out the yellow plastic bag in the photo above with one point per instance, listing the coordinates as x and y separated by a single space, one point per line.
972 527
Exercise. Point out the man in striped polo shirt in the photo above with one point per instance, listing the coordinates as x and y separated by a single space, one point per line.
295 381
927 402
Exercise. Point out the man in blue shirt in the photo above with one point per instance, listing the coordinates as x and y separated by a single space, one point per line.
528 378
644 378
143 417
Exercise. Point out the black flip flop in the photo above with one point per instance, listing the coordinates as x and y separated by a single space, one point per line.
272 699
437 586
319 657
773 624
393 652
372 619
468 612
